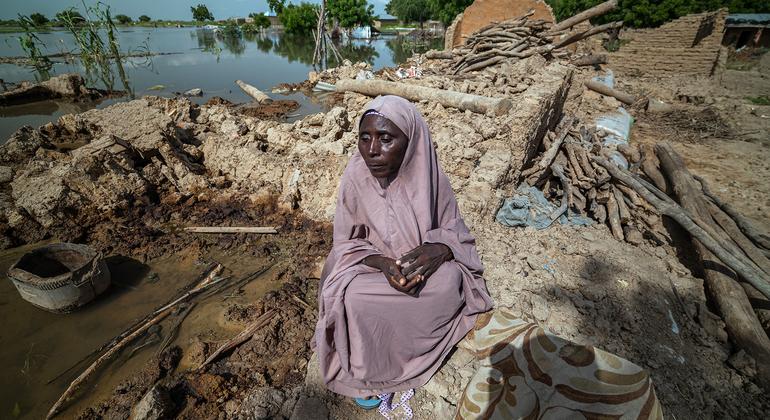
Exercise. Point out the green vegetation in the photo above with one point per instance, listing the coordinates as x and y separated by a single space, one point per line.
447 10
144 19
410 10
201 13
276 6
351 13
260 20
299 19
30 43
70 15
652 13
123 19
38 19
759 100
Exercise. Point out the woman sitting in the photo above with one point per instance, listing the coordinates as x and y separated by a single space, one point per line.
402 284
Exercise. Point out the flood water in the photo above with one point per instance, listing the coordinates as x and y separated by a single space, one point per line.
196 58
35 345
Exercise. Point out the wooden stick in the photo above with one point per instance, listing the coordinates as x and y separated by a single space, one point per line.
157 316
232 229
613 216
241 338
459 100
255 93
566 197
172 331
762 240
650 167
589 33
550 154
439 55
608 91
600 214
625 215
597 10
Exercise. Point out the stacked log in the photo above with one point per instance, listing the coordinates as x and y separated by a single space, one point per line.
521 37
589 189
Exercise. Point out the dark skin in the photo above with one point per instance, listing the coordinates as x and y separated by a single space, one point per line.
383 146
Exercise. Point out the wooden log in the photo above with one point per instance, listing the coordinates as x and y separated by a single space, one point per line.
241 338
650 167
439 55
762 240
597 10
741 321
255 93
566 197
630 152
600 213
734 233
678 214
590 60
623 213
608 91
551 152
232 229
459 100
588 33
613 216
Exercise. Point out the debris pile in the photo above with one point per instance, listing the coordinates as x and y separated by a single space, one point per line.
69 86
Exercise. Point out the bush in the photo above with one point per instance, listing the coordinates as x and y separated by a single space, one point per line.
299 19
38 19
260 20
144 19
70 15
201 13
123 19
351 13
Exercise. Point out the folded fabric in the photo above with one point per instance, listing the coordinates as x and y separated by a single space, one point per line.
527 372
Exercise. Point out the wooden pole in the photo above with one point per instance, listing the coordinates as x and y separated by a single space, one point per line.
241 338
589 33
255 93
459 100
597 10
232 229
608 91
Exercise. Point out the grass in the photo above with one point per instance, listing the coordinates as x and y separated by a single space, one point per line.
14 28
759 100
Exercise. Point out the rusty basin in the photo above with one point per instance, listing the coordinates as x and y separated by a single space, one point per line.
60 277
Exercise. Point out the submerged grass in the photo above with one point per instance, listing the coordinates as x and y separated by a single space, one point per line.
30 44
759 100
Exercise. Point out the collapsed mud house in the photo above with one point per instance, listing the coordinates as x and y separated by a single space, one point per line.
128 178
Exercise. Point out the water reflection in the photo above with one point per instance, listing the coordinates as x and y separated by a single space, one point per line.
403 47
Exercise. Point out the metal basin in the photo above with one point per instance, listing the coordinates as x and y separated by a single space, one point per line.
60 277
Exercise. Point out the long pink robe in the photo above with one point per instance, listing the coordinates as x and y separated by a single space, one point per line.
370 338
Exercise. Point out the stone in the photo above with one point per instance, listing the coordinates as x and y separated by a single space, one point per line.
314 382
22 145
310 408
6 174
262 403
194 92
156 404
540 308
711 323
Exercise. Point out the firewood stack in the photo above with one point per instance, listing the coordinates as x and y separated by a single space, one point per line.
566 173
521 37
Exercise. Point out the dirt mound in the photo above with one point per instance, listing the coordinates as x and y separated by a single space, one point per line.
273 110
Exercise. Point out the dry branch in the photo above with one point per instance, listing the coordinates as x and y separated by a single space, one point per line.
241 338
255 93
597 10
232 229
590 60
608 91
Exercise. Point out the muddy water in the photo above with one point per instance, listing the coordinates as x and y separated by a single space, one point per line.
35 345
195 58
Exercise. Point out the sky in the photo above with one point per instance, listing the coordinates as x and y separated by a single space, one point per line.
156 9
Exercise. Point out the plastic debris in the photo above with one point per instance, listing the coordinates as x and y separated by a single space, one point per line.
410 73
529 207
617 125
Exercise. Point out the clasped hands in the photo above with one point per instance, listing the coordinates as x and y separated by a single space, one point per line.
409 272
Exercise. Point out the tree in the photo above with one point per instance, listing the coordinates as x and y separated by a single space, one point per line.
123 19
70 15
201 13
409 10
260 20
351 13
144 19
38 19
447 10
299 19
276 6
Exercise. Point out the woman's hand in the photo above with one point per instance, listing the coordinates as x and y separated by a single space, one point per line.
393 273
423 261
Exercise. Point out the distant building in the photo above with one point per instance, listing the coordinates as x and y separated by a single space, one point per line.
747 29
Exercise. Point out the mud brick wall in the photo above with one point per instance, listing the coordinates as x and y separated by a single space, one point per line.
688 45
483 12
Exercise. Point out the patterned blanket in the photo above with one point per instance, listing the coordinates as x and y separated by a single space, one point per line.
527 372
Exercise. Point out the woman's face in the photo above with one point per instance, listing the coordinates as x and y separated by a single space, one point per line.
382 145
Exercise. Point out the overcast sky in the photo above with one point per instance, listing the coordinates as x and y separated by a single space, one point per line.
156 9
